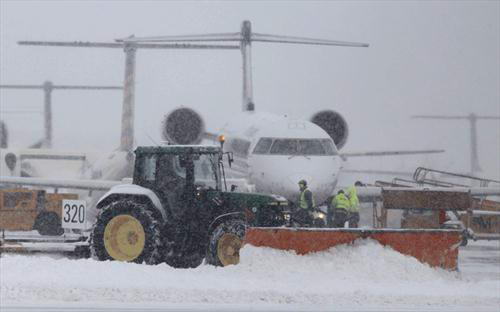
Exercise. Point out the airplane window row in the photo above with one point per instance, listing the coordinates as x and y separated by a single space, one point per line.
304 147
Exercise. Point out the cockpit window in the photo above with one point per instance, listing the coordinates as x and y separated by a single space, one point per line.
238 146
311 147
284 147
263 146
292 147
330 149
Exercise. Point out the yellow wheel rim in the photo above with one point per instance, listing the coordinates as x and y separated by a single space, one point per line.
228 249
124 238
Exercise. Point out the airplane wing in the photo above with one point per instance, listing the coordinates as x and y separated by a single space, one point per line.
371 193
390 153
90 185
33 162
378 172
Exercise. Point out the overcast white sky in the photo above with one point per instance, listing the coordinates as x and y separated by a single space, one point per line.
429 57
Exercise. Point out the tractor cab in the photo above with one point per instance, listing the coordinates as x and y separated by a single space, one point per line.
178 174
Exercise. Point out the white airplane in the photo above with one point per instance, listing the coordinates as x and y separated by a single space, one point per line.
272 152
275 152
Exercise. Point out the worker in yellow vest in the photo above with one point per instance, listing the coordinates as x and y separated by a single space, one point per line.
353 211
340 205
305 204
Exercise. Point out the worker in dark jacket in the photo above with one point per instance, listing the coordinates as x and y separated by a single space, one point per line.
306 200
305 204
340 204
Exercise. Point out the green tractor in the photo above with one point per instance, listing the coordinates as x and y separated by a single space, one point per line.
178 211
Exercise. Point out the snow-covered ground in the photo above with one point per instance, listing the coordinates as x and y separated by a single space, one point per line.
365 276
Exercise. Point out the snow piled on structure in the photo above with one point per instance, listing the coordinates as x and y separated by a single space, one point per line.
365 273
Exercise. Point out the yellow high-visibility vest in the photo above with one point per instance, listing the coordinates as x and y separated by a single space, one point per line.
340 201
352 193
303 201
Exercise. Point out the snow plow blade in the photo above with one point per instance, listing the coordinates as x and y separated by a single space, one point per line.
437 248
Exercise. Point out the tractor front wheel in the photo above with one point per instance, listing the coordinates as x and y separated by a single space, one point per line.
225 243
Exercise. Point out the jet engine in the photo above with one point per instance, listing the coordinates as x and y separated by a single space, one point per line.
4 135
334 124
183 126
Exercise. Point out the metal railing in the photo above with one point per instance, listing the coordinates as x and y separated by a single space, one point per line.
421 176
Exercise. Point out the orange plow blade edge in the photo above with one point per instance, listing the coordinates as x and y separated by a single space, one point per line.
437 248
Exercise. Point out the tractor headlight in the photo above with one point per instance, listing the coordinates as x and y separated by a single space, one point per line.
287 216
319 215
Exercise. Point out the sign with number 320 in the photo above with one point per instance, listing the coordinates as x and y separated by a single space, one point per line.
73 214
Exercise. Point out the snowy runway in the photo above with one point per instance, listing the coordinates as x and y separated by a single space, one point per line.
364 277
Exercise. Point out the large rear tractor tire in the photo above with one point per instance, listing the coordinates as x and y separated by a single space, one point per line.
48 223
225 243
126 231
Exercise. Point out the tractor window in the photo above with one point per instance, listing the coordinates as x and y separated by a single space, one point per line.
180 166
206 170
149 167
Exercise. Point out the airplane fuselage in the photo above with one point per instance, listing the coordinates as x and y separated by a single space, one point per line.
275 152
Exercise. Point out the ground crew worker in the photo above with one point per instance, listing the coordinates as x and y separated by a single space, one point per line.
305 204
353 211
340 205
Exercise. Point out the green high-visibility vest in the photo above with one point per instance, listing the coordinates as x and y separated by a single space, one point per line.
352 193
303 201
340 201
